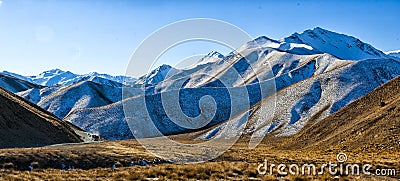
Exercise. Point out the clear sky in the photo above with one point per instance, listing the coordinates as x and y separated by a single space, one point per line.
84 35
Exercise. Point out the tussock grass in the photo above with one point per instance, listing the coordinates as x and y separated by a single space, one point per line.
238 163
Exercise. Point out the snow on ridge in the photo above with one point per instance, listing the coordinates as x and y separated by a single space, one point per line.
395 53
321 95
85 94
157 75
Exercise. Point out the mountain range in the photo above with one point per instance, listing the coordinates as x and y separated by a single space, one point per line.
313 74
59 77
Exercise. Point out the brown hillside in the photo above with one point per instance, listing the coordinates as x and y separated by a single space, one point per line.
371 122
23 124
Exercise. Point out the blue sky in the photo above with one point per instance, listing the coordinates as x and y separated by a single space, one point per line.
85 36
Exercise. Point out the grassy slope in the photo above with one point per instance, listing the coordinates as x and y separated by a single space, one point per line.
23 124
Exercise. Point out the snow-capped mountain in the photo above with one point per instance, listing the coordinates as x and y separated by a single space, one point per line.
59 77
66 91
316 74
310 42
61 91
339 45
157 75
311 99
290 47
210 57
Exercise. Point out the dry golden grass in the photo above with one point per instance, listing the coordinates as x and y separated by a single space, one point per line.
238 163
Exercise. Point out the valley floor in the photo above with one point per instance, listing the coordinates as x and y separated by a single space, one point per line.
95 161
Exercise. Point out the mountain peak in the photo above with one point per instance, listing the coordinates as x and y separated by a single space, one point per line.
262 39
210 57
24 124
164 67
215 54
53 71
313 33
339 45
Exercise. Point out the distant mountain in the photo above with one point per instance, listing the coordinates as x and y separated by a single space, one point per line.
317 41
65 91
61 91
394 53
23 124
59 77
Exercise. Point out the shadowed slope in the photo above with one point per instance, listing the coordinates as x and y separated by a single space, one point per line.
23 124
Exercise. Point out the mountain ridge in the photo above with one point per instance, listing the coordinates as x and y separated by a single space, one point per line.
56 77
